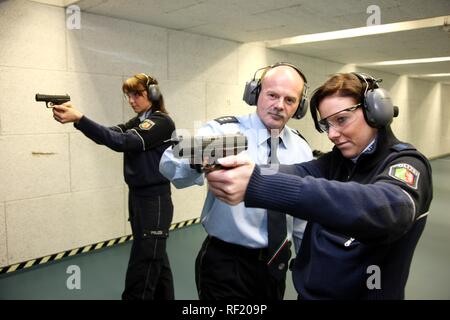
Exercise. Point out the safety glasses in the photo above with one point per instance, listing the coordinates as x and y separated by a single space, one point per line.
339 120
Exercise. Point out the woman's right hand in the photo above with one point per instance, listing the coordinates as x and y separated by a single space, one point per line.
230 184
65 113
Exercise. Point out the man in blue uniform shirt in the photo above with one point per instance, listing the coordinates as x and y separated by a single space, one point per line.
366 201
234 261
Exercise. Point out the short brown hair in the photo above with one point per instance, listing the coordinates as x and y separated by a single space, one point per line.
138 83
341 85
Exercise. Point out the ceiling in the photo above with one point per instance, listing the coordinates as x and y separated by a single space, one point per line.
262 20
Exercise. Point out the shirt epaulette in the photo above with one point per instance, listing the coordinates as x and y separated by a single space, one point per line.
402 146
227 119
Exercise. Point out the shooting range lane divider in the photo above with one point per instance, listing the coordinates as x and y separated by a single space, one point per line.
87 248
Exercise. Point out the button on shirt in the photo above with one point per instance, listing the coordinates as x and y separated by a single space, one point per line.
238 224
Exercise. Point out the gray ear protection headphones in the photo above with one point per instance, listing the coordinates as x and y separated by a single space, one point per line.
152 89
377 105
253 89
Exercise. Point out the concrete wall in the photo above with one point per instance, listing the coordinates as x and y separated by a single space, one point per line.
60 190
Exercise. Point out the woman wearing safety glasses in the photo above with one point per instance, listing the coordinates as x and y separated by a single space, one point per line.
366 201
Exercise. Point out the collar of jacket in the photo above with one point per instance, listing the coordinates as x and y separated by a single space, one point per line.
385 140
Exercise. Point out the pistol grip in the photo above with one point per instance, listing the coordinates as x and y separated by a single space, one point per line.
212 167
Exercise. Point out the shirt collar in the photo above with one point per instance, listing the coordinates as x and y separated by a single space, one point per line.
145 115
368 150
262 134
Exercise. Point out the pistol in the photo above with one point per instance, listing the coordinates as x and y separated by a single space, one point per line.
51 100
203 151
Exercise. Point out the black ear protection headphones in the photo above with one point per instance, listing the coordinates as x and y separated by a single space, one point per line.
377 105
253 89
152 89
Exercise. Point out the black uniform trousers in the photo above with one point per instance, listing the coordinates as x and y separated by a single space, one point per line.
226 271
149 276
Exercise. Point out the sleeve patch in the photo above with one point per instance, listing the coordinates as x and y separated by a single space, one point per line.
147 124
406 173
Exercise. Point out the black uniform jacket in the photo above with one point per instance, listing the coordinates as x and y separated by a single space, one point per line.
142 143
364 218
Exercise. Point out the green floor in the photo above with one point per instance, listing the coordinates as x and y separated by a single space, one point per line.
103 271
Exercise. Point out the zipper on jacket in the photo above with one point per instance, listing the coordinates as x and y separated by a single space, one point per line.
349 242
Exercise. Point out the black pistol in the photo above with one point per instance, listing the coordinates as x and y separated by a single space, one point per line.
50 99
203 151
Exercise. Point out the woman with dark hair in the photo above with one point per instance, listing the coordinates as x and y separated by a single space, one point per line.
142 140
366 201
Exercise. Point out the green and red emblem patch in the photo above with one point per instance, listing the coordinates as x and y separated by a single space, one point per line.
406 173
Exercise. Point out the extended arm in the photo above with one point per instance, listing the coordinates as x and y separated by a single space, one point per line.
382 211
139 138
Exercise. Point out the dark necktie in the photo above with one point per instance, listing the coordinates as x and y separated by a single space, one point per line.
278 248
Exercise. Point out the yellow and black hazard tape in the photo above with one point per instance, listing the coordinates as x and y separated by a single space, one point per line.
91 247
184 224
60 255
